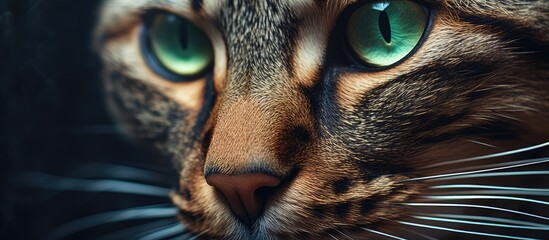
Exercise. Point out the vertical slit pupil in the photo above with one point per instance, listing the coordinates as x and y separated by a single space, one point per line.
385 26
184 35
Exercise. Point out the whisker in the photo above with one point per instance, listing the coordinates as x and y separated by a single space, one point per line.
491 219
198 235
481 143
45 181
119 172
146 212
466 197
383 234
164 232
502 192
343 234
436 219
502 164
498 174
332 236
447 175
474 186
474 206
126 233
464 231
501 154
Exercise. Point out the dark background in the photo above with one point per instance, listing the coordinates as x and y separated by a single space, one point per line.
53 117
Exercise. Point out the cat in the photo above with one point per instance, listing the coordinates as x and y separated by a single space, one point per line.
310 119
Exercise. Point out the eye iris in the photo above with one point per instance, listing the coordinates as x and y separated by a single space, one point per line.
179 46
382 33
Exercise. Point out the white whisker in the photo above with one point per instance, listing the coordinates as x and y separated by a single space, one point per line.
501 192
436 219
481 143
164 232
498 174
474 206
343 234
476 197
45 181
198 235
474 186
383 234
496 165
501 154
119 172
486 189
491 219
448 175
464 231
154 211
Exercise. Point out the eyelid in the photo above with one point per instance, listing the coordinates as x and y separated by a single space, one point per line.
117 17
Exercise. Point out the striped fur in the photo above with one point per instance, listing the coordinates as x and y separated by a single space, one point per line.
345 140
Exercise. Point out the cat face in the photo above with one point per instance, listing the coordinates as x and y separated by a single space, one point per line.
289 119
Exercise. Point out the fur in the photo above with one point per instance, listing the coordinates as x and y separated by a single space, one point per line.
344 140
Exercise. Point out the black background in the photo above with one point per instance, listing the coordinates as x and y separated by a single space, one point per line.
53 117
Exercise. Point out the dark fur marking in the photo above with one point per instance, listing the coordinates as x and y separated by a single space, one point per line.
374 169
189 215
248 44
197 5
300 134
515 34
140 103
495 130
396 110
434 121
342 185
252 168
207 140
321 3
209 102
315 101
367 205
187 194
342 209
319 212
292 144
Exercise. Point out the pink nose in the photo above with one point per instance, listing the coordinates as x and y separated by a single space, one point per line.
244 192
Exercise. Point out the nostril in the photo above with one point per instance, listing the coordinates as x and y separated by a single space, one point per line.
246 193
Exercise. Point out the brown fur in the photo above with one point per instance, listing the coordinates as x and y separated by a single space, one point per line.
345 141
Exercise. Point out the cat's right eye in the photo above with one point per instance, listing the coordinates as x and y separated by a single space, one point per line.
382 33
175 48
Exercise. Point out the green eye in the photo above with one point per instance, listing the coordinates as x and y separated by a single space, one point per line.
381 33
175 46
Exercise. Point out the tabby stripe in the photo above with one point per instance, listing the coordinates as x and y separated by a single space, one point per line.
203 115
515 34
496 130
197 5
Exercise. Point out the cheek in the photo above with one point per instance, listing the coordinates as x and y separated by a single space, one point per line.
149 115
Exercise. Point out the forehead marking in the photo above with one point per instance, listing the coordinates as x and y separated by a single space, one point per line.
317 22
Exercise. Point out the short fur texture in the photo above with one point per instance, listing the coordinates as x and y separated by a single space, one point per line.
348 143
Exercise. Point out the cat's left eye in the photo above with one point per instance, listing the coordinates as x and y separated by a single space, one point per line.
175 48
382 33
